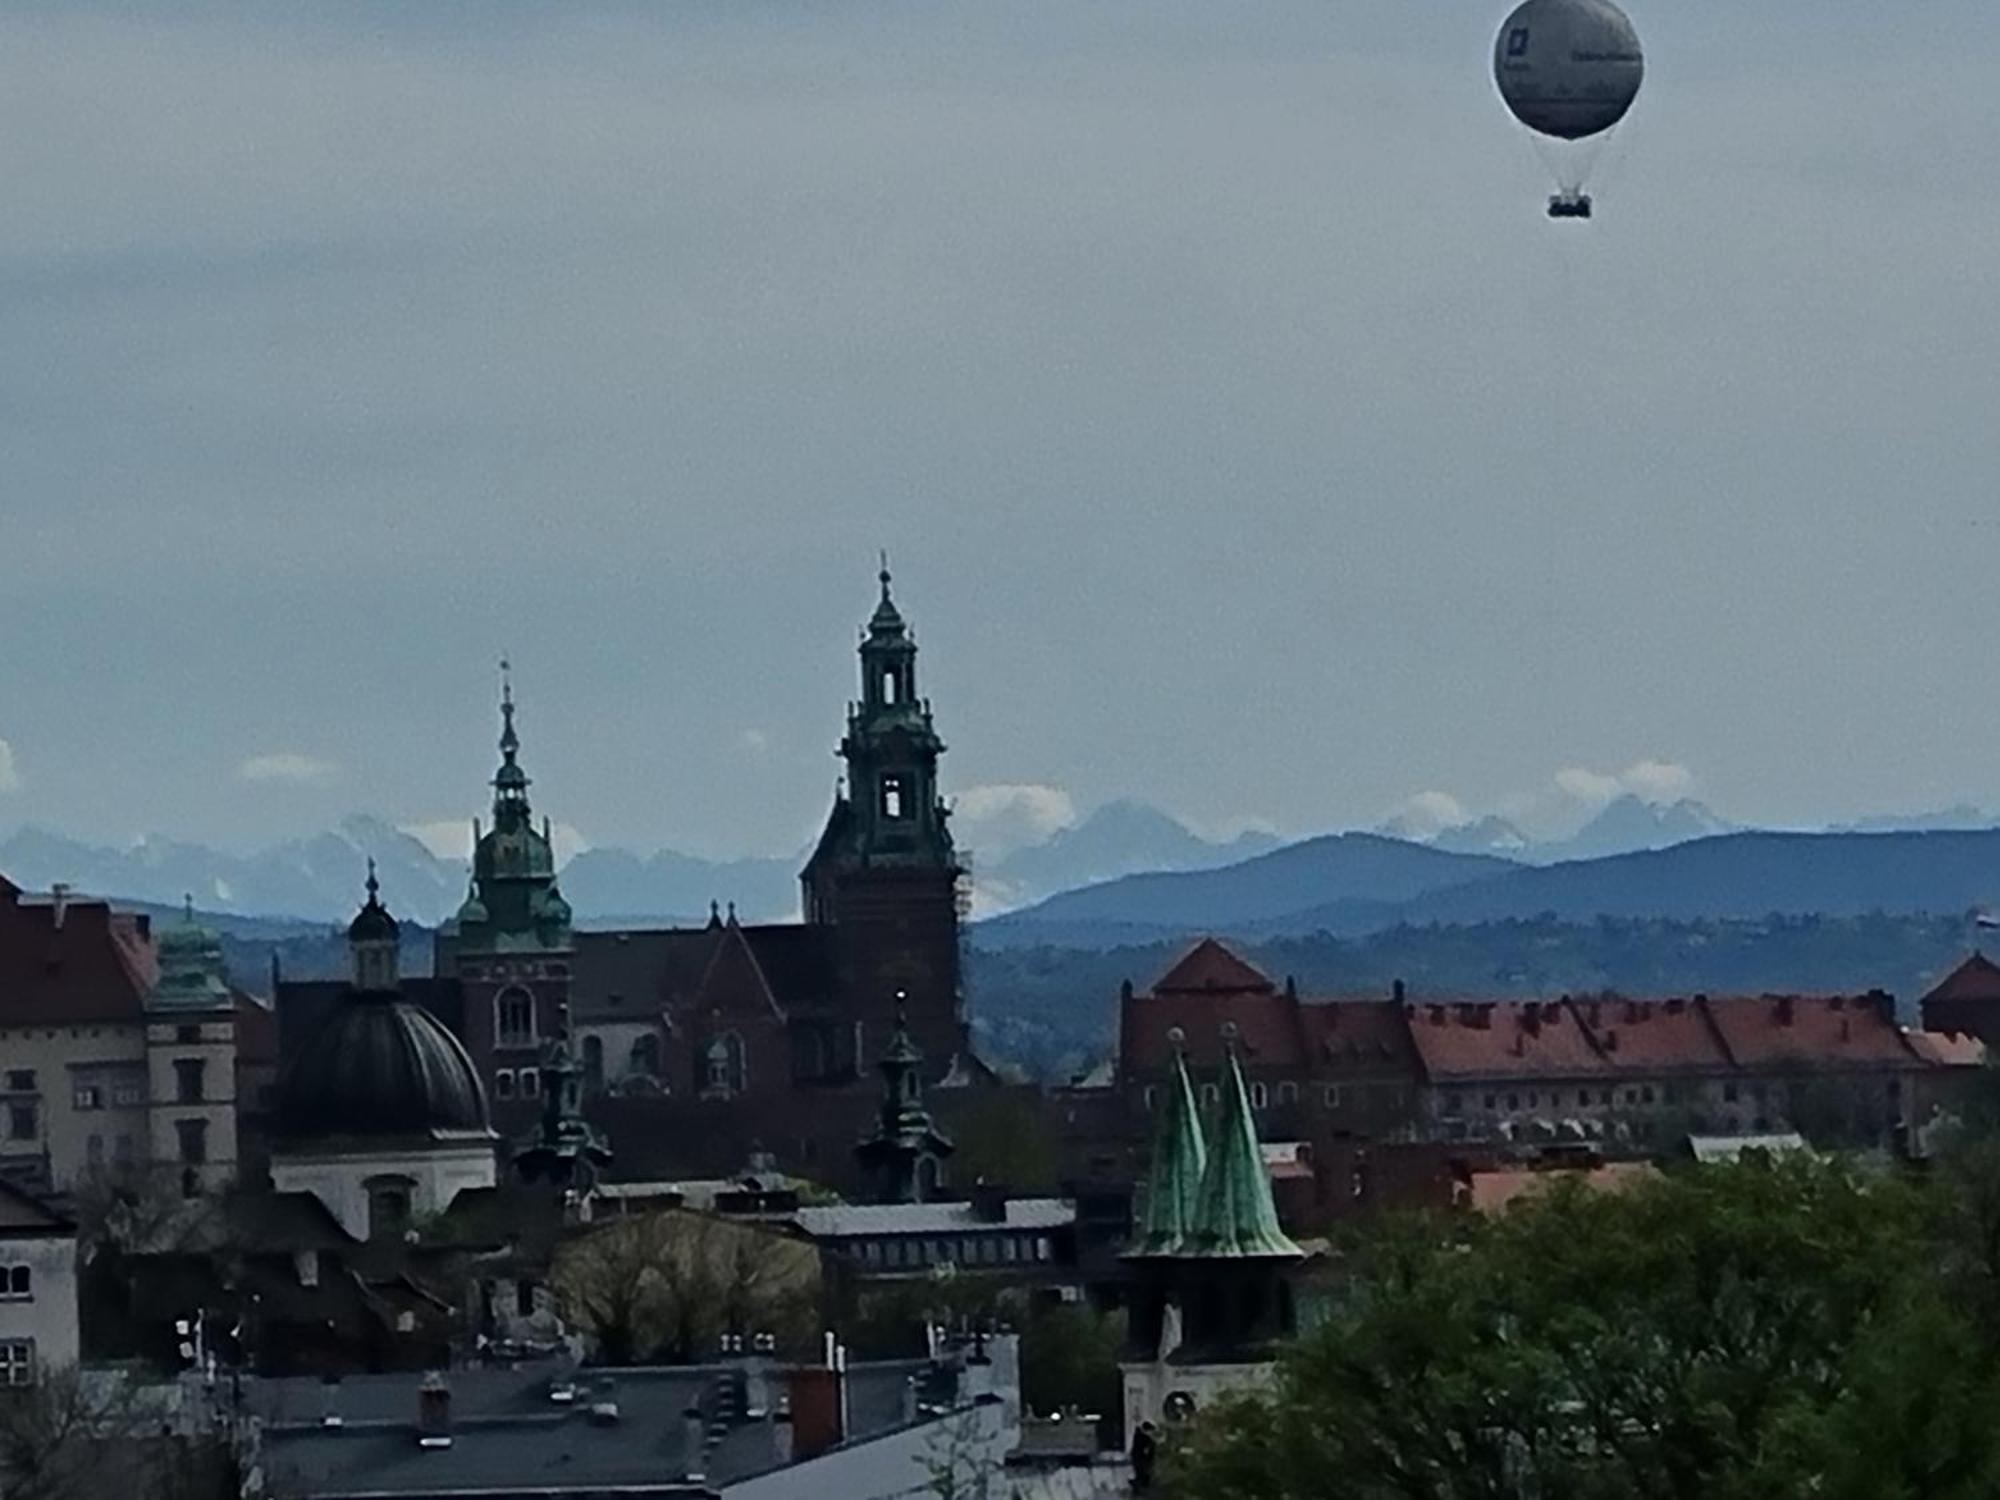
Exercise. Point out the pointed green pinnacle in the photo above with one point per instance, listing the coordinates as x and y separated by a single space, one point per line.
1234 1214
1175 1177
1209 1198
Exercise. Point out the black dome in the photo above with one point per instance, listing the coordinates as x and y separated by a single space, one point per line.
380 1065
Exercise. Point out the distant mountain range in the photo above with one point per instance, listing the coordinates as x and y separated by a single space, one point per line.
1626 824
1357 884
319 878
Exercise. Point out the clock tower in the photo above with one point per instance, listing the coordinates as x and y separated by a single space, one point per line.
885 878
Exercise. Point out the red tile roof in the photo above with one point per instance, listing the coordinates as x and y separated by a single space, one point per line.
97 965
1654 1036
1812 1030
1266 1028
1343 1036
1209 967
1978 978
1946 1049
1503 1039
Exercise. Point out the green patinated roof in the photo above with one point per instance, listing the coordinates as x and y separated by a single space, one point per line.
1179 1158
191 967
1233 1213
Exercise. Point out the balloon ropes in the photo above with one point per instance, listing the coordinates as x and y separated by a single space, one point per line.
1569 70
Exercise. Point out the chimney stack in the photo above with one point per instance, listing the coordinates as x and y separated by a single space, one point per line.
694 1435
59 902
815 1410
434 1412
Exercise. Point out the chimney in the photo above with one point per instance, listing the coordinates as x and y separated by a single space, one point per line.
59 902
434 1412
1396 991
694 1435
1124 989
815 1410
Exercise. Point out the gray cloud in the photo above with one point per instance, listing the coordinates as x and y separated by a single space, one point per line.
1245 438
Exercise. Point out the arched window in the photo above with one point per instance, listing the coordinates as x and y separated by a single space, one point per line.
514 1018
593 1064
724 1058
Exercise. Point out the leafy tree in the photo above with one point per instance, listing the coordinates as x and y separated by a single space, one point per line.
1755 1332
666 1286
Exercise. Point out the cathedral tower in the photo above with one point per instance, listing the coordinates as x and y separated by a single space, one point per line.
885 877
510 944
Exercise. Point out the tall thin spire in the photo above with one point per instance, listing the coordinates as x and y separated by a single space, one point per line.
1180 1156
1234 1215
510 742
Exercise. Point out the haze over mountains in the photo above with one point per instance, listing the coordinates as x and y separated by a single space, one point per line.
1129 872
317 877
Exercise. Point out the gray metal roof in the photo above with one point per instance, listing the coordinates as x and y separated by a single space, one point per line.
850 1220
508 1436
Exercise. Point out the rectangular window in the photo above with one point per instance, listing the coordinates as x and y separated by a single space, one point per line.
20 1080
89 1096
1011 1248
17 1361
17 1283
531 1083
1259 1096
892 797
1331 1094
514 1018
21 1122
503 1084
1453 1103
1288 1092
187 1033
128 1095
193 1140
189 1077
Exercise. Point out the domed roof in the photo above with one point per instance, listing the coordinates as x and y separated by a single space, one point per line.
380 1065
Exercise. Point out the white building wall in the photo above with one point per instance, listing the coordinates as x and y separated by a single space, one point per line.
103 1056
1149 1384
48 1315
340 1181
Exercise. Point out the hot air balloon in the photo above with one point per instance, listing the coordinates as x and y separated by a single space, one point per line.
1568 69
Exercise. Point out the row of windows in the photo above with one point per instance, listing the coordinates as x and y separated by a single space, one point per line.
1454 1100
17 1284
124 1095
966 1250
1331 1095
17 1361
510 1083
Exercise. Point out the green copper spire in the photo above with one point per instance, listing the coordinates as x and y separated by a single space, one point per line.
1179 1158
1233 1212
905 1152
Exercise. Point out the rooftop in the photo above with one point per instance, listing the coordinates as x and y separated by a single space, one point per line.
847 1220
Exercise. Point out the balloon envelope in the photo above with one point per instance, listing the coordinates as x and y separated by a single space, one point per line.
1568 68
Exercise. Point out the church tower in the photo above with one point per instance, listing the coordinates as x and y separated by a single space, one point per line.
885 877
1211 1268
510 944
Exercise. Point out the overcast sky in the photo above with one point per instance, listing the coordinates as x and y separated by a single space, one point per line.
1243 436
